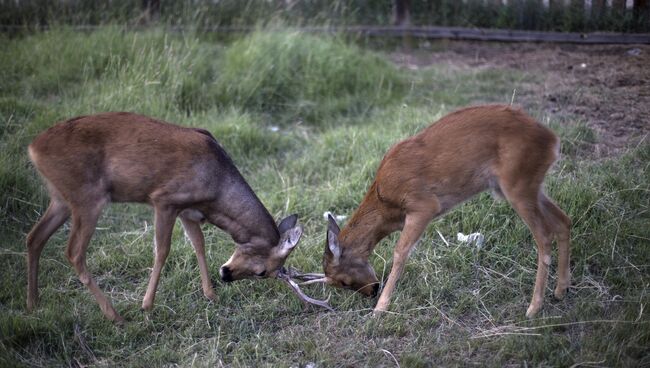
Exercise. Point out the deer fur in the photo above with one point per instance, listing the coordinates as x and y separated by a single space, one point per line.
90 161
493 147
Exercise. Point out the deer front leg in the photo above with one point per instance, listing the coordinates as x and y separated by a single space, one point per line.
164 223
414 226
193 231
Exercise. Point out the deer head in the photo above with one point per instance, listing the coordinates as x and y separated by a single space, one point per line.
342 267
249 261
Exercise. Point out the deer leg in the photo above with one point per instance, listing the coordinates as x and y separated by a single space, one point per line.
561 224
414 225
164 223
525 199
83 226
55 215
193 231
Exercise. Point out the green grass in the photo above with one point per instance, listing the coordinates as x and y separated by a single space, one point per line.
305 77
455 305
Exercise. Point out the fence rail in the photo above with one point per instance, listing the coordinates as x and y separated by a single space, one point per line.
453 33
506 35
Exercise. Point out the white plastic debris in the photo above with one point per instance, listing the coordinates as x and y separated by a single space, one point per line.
634 52
338 218
476 238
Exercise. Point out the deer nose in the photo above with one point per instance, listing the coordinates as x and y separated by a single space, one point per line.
226 274
375 290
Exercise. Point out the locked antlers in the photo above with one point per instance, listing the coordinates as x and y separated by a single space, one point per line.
287 276
310 278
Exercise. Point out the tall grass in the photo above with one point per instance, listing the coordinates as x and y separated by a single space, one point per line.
455 305
62 73
304 76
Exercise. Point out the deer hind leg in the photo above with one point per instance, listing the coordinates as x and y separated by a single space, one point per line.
561 225
164 223
84 220
524 196
55 215
414 225
193 231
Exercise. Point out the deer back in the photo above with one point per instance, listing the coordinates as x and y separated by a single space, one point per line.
125 157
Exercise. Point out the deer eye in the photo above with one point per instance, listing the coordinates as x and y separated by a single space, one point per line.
261 274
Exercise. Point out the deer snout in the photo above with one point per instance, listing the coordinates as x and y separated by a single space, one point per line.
370 290
226 274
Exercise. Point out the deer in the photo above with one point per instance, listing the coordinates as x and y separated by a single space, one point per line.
90 161
471 150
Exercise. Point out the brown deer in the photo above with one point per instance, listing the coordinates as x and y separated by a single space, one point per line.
89 161
466 152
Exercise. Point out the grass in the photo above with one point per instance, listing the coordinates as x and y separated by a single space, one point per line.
455 304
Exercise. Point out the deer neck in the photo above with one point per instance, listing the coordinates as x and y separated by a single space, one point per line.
370 223
243 216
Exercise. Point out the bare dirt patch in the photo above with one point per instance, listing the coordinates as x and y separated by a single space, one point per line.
606 86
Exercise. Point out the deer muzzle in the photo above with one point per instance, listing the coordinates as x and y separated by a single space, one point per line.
226 274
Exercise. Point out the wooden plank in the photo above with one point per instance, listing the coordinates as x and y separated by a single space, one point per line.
504 35
454 33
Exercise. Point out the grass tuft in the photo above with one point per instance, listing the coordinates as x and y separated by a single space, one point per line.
304 77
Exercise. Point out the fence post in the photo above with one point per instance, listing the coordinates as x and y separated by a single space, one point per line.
151 8
402 12
402 18
641 8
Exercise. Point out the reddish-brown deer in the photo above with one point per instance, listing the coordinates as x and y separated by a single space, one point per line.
466 152
89 161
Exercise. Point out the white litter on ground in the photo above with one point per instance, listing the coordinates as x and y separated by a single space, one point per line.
476 238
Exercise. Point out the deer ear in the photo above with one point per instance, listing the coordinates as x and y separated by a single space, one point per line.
289 239
333 245
287 223
332 225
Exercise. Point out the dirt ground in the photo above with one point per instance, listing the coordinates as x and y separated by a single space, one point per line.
606 86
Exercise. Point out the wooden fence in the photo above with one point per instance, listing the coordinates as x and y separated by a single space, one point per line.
578 16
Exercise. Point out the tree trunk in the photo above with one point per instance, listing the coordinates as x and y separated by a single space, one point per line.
402 12
151 7
598 8
641 8
618 5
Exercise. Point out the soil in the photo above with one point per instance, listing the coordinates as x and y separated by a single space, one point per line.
605 86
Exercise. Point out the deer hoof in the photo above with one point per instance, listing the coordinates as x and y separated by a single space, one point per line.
210 295
377 312
118 320
532 310
560 292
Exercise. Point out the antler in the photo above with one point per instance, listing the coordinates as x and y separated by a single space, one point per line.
296 289
306 278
